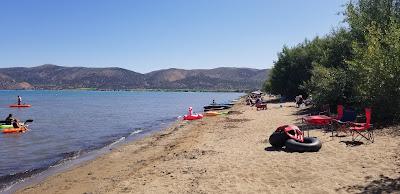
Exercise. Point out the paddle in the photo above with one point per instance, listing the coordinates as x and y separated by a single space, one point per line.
28 121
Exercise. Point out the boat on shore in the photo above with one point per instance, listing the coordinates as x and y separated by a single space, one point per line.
214 106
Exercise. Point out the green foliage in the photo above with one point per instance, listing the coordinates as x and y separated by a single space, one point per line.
330 86
376 68
267 86
376 65
295 65
291 69
331 83
358 66
362 13
335 49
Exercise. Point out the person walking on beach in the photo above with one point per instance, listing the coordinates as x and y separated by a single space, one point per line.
19 100
299 101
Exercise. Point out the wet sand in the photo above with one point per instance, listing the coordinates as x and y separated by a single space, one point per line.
231 154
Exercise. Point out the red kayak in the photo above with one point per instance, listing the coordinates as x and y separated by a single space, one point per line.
20 106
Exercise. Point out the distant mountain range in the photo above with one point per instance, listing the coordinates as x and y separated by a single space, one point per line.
59 77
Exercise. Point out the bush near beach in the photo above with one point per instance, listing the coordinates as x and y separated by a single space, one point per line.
357 64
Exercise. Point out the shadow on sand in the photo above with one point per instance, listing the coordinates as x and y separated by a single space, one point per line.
273 149
306 111
382 185
352 143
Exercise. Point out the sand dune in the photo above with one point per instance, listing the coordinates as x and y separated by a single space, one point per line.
230 154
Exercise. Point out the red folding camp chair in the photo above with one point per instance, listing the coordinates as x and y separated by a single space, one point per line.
363 130
337 117
339 112
343 119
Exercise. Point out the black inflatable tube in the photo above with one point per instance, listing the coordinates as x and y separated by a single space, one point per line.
310 144
278 139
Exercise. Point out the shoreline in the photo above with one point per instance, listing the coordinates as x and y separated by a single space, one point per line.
130 90
38 175
230 154
10 178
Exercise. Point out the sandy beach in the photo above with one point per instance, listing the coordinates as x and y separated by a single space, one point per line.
231 154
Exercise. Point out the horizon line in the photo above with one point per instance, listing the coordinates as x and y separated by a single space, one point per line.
49 64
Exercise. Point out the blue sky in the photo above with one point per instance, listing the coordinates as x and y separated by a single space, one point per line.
148 35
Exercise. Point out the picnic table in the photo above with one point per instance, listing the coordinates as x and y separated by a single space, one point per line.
317 120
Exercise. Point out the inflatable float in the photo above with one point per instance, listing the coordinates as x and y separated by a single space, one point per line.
293 139
191 116
20 105
283 133
310 144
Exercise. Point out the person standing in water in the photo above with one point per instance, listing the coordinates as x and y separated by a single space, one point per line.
19 100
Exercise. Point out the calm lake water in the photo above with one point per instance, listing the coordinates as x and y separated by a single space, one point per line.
68 123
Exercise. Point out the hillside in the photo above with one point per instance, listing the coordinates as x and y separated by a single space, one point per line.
59 77
6 82
223 78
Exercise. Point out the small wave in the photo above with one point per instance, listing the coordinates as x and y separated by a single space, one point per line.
118 141
67 157
137 131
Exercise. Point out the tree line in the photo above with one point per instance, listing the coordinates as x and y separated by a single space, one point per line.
357 65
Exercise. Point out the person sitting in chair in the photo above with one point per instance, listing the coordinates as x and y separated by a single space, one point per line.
258 101
260 104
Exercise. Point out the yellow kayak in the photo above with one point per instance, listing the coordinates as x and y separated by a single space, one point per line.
211 113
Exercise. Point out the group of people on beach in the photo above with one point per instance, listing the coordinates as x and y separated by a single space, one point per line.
300 101
252 100
256 101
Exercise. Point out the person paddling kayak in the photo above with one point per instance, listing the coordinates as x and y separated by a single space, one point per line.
10 119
